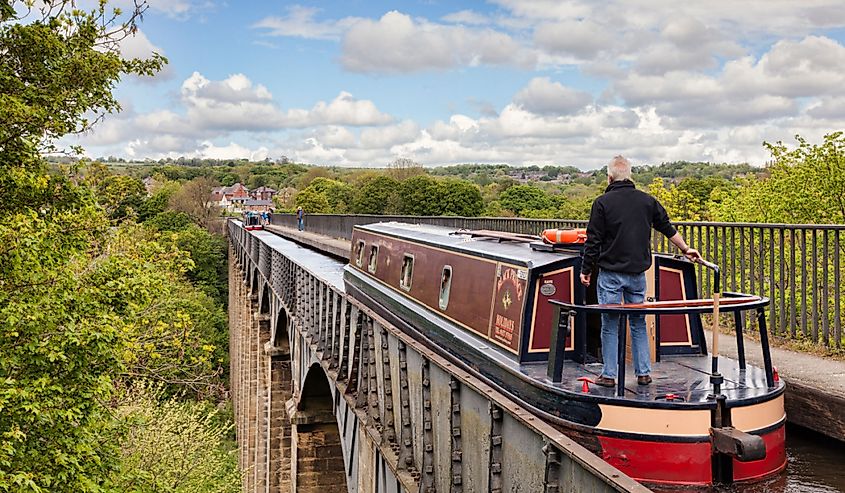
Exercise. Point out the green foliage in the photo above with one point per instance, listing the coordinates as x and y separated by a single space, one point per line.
60 341
172 331
121 196
170 221
57 69
420 195
312 202
156 203
84 305
173 445
679 203
208 254
338 194
805 185
375 195
519 198
459 198
57 353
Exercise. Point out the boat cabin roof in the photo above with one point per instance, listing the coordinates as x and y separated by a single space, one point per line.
514 252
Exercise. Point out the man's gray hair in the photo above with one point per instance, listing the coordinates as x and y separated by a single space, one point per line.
619 168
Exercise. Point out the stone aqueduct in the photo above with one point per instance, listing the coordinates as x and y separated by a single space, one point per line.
328 397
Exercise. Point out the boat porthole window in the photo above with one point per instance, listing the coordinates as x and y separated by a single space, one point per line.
406 275
372 264
445 286
359 253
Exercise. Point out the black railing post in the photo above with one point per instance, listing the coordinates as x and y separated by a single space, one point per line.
740 340
621 353
764 342
560 331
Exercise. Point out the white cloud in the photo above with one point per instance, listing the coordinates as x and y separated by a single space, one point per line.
747 90
343 110
581 39
469 17
673 80
387 137
545 97
397 43
300 23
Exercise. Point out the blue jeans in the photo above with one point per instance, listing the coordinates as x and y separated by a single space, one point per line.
301 224
612 288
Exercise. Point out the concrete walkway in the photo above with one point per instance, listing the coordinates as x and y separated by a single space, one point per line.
815 395
815 386
333 246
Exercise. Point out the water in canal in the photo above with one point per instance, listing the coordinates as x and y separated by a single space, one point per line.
816 464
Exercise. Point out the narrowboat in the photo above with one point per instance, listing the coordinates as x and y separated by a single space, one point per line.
511 310
252 222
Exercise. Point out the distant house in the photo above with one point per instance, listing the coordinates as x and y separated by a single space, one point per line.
257 205
263 193
226 197
217 196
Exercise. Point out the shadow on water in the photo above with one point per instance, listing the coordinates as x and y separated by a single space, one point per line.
816 464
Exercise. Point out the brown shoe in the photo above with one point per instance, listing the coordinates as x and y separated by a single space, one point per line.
643 380
605 382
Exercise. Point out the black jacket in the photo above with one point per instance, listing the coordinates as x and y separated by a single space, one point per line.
619 232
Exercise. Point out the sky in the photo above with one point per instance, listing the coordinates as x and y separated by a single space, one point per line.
572 82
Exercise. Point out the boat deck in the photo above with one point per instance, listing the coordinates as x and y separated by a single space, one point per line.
687 377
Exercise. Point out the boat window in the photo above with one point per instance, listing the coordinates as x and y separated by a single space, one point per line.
406 275
359 253
445 286
372 264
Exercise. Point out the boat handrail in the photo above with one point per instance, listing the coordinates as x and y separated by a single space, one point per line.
732 302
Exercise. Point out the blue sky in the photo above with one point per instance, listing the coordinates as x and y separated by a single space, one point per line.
362 83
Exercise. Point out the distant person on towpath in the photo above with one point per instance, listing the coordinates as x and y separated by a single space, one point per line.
300 218
618 251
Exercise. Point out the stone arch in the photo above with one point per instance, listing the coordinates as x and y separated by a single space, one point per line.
281 391
254 286
264 304
318 454
281 334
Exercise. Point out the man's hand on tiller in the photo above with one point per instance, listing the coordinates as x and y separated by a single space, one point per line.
585 279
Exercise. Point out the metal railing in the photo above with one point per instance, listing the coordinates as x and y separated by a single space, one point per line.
798 266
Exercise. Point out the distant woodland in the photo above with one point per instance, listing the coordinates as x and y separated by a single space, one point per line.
803 182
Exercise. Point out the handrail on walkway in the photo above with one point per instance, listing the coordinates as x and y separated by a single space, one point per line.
797 266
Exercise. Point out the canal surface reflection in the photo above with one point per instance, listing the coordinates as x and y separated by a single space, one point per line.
816 464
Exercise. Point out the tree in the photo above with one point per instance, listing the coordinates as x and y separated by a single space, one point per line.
59 342
420 195
374 196
194 199
403 168
173 445
460 198
680 204
312 174
121 196
519 198
157 203
312 201
338 195
805 185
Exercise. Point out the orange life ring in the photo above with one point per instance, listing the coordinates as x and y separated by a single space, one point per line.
565 235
